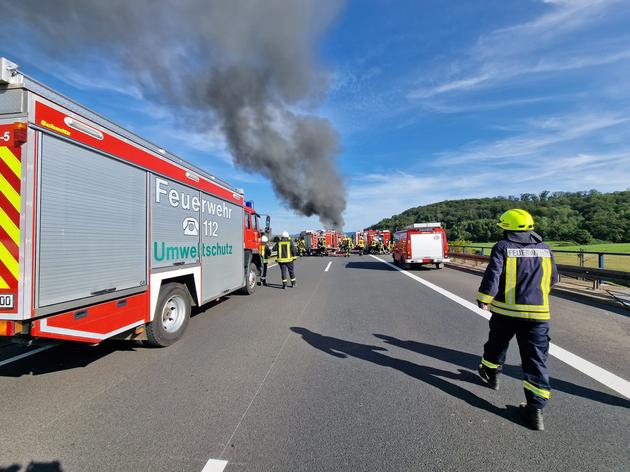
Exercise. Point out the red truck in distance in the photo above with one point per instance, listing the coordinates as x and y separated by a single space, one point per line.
422 244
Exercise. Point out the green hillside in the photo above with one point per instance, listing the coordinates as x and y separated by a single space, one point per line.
580 217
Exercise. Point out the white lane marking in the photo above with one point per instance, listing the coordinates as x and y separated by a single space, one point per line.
595 372
25 354
272 265
214 465
328 266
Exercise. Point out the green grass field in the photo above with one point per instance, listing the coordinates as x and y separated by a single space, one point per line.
590 260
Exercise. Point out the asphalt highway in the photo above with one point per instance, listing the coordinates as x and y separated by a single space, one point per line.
358 368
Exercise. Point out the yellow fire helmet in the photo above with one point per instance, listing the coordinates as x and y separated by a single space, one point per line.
516 220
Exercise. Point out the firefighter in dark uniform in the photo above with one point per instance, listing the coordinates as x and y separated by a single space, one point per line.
515 288
265 250
287 253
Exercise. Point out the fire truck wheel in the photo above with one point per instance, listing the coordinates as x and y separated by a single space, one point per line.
252 280
172 314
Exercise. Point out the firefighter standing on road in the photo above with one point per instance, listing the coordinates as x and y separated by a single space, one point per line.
264 254
361 245
347 246
287 253
515 288
301 247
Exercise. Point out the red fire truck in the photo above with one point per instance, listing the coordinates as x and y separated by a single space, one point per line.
421 243
104 234
332 241
386 237
310 241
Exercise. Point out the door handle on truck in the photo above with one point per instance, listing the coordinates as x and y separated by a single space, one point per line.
104 291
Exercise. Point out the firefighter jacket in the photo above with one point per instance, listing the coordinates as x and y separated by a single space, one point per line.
286 251
519 277
264 253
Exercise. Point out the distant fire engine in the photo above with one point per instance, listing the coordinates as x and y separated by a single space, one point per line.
421 243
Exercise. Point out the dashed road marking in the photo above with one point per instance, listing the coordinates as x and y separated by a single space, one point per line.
328 266
595 372
25 354
214 465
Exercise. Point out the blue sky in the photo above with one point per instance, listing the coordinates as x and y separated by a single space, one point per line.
433 100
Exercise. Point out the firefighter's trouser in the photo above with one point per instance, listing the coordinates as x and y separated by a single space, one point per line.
533 344
263 274
287 270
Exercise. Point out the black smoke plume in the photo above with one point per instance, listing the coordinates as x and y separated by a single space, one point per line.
247 64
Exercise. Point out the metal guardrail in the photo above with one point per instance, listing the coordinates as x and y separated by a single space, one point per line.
596 274
583 258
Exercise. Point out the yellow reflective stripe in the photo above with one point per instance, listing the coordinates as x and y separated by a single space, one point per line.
8 260
10 193
517 307
528 315
510 280
8 225
545 283
510 275
536 391
11 161
284 252
483 298
3 284
489 364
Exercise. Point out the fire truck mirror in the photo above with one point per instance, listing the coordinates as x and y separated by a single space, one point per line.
267 224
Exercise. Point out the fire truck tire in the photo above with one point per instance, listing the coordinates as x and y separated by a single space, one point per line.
172 314
251 280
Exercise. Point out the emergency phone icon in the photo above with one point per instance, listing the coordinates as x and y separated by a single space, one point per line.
191 227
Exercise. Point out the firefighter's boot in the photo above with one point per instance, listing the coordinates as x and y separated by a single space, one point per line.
489 376
532 416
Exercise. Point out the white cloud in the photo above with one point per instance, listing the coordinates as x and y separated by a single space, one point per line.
539 46
541 137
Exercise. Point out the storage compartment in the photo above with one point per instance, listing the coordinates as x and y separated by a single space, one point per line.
92 224
426 246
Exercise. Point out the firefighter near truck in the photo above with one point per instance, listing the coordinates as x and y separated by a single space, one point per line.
104 234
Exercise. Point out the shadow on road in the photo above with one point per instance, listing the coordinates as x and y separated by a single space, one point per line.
277 285
435 377
54 466
371 265
64 357
471 361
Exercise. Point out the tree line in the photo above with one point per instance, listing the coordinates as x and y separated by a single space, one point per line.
582 217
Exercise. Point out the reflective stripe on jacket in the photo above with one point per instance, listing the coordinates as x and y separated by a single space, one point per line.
286 252
264 253
518 279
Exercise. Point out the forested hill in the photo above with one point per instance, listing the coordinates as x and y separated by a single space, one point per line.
580 216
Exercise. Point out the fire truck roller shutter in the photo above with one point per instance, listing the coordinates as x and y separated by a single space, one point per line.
92 224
